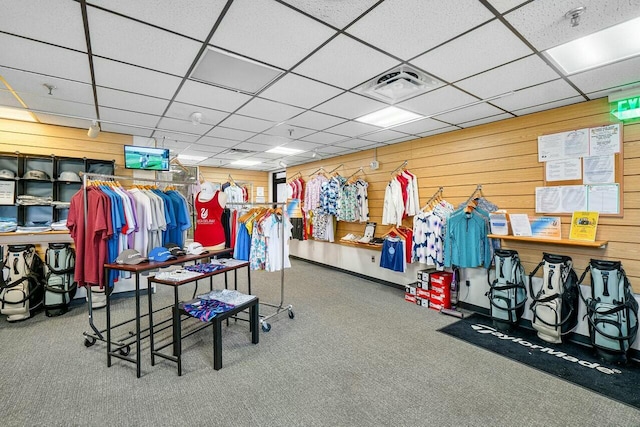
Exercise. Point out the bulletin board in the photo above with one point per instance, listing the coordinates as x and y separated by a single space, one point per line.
583 171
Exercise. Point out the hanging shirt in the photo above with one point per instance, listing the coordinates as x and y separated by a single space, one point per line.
209 230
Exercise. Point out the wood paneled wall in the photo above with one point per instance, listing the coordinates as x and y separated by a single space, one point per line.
502 157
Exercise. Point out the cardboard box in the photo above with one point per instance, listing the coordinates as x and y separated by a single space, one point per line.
410 290
424 274
424 284
410 298
423 293
435 306
423 302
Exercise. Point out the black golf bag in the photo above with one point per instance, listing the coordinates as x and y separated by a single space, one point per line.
21 282
555 304
60 288
507 293
612 310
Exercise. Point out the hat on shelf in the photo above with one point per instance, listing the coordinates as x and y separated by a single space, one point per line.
36 174
6 173
160 254
131 257
69 176
196 248
175 249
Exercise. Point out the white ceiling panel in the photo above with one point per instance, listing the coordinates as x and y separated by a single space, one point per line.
353 143
269 140
385 135
251 146
516 75
53 105
314 120
324 138
128 117
300 91
405 20
131 101
403 139
543 23
419 126
345 62
24 82
195 20
168 135
338 14
269 110
125 77
437 101
55 21
210 96
286 130
184 126
42 58
178 110
550 105
350 106
233 134
247 123
139 44
63 121
218 142
126 130
468 114
504 5
353 129
440 130
610 76
487 47
540 94
7 99
303 145
279 35
485 120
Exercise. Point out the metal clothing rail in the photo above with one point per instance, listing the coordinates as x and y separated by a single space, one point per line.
360 169
405 163
280 308
436 194
476 191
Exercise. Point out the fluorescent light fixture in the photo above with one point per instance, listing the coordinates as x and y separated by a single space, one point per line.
282 164
390 116
603 47
284 150
16 114
245 162
186 158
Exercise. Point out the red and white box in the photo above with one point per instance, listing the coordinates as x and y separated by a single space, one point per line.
440 289
423 293
410 298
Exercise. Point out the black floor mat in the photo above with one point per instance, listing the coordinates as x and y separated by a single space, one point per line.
572 362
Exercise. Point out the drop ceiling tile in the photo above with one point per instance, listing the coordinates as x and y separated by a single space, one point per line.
542 22
434 102
353 129
467 114
550 105
128 118
57 22
247 123
385 136
210 150
7 99
226 133
405 20
270 156
180 137
269 140
42 58
288 131
63 121
489 46
302 145
485 120
218 142
353 143
505 5
178 110
609 76
126 130
350 106
324 138
419 126
25 82
345 62
139 44
183 126
210 96
49 104
280 36
338 15
606 92
314 120
269 110
403 139
195 20
300 91
131 101
214 162
516 75
440 130
331 149
540 94
372 146
115 75
170 144
251 146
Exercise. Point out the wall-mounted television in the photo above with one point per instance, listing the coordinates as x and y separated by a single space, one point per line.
146 158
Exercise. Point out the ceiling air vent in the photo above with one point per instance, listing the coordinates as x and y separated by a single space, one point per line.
239 151
233 72
399 84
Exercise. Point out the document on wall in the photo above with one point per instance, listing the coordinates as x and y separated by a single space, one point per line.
584 225
548 199
563 170
7 192
563 145
520 225
604 199
599 169
574 198
604 140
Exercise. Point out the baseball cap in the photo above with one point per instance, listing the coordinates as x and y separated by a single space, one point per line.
130 256
36 174
69 176
160 254
6 173
196 248
175 249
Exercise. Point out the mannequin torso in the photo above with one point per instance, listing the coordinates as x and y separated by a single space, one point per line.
209 205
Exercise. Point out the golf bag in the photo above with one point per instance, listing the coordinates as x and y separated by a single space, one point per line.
507 293
555 305
612 310
60 261
21 282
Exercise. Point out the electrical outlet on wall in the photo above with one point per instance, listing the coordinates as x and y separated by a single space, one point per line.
373 258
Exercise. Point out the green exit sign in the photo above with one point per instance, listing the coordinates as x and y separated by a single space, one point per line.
627 109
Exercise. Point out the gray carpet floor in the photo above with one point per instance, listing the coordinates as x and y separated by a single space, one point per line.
356 354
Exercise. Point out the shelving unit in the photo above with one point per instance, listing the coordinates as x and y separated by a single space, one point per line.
600 244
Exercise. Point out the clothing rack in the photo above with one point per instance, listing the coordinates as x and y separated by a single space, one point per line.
405 163
435 195
360 169
318 170
335 169
280 308
476 191
294 176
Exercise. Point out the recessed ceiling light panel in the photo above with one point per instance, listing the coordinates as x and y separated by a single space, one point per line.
390 116
245 162
284 150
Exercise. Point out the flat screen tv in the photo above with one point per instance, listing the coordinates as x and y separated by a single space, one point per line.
147 158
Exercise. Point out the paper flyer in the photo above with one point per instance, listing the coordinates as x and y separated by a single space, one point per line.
584 225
